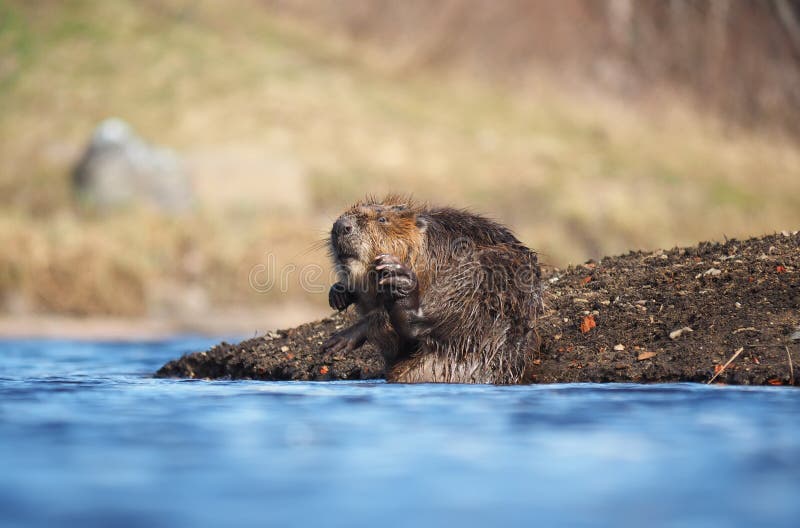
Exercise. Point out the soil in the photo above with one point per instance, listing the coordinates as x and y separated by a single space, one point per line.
292 354
664 316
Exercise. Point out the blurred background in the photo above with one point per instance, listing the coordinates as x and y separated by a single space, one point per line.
157 156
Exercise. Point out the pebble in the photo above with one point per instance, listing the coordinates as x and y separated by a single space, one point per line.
284 348
675 334
711 272
619 348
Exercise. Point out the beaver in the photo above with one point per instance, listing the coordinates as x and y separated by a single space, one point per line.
446 295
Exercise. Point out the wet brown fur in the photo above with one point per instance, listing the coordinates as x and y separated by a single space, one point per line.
479 290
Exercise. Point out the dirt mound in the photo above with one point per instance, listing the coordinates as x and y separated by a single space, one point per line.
665 316
292 354
677 315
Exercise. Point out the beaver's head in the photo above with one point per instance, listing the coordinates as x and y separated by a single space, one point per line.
371 227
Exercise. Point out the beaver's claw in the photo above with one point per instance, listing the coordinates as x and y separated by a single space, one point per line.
347 340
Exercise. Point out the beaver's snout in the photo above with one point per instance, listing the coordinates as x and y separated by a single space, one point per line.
342 238
343 226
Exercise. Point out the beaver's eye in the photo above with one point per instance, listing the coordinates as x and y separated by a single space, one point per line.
382 220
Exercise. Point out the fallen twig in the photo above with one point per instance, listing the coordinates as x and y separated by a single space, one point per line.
734 356
791 367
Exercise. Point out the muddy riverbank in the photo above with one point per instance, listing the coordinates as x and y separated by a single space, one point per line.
723 311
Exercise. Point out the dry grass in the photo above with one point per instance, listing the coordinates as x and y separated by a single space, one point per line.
282 127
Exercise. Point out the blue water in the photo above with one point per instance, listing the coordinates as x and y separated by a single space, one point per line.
88 439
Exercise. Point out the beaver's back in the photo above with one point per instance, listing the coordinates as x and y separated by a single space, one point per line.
483 290
448 224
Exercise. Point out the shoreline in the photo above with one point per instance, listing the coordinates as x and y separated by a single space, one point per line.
240 322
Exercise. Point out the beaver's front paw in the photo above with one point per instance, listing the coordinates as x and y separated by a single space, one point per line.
339 297
395 279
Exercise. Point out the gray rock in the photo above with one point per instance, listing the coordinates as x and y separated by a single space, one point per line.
119 169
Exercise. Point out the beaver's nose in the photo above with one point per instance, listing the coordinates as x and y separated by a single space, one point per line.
343 226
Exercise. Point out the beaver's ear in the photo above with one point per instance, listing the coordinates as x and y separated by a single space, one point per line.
422 223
